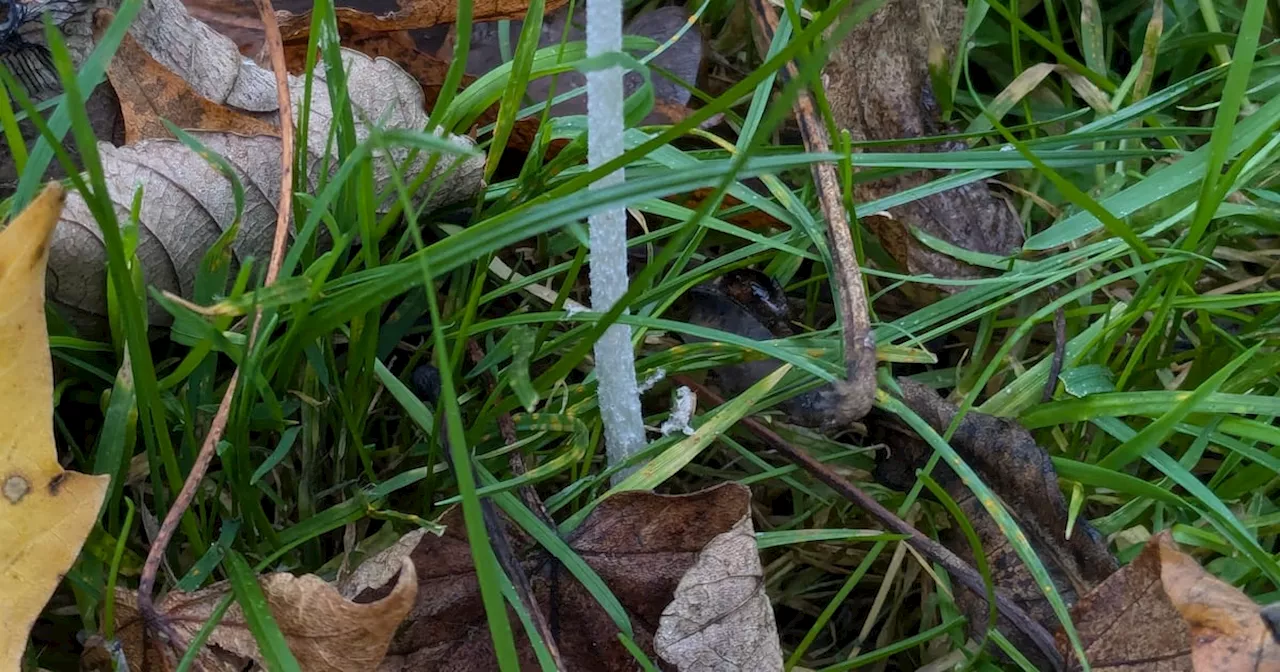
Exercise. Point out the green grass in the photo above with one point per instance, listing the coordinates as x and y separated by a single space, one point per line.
1164 418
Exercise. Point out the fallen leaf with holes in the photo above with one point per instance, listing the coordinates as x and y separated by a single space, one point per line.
1164 613
684 567
150 93
879 88
1007 459
324 631
45 512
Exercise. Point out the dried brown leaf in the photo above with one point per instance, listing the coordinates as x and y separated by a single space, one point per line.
642 545
1164 613
149 93
365 16
879 88
325 632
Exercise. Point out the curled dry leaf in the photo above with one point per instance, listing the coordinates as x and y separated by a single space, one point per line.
641 544
45 512
325 632
187 204
1020 472
879 88
237 19
1165 613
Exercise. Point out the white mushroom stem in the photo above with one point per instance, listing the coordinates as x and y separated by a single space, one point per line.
619 398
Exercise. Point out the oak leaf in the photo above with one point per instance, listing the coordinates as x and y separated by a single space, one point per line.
1164 613
665 557
45 512
324 631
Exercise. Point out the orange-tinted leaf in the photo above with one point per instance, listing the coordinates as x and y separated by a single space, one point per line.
150 93
1164 613
45 512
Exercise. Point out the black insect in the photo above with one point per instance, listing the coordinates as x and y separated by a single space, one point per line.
22 49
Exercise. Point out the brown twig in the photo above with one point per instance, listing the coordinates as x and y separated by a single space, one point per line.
858 391
934 551
146 585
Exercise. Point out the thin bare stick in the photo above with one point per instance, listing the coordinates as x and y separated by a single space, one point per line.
858 391
146 585
934 551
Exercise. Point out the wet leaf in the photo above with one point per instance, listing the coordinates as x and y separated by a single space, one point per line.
660 555
879 87
749 303
149 93
324 631
1165 613
45 512
1020 472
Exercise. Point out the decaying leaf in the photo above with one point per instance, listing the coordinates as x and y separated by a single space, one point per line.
720 617
186 204
879 88
642 545
1164 613
45 512
324 631
149 92
1009 462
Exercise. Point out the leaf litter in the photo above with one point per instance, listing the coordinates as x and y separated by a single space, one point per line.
187 204
684 567
885 97
324 631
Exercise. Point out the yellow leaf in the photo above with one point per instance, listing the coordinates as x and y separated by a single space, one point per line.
45 512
